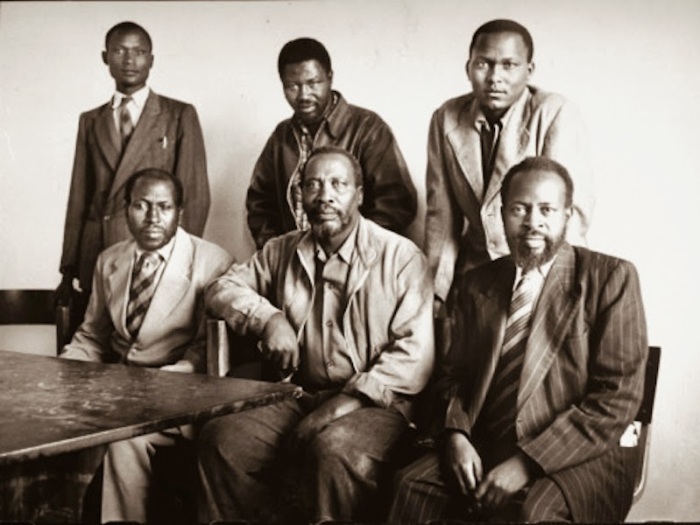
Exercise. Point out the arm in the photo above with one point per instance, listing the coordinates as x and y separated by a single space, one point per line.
443 223
389 194
191 169
404 365
617 350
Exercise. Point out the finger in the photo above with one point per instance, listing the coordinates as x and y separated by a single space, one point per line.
460 479
478 470
470 476
295 358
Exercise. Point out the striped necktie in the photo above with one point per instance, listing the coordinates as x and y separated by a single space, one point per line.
141 290
126 126
501 401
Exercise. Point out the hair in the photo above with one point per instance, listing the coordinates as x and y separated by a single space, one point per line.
505 26
327 150
128 27
155 174
301 50
542 164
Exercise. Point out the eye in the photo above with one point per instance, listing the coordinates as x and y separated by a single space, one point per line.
339 185
165 207
517 209
509 65
139 206
547 210
310 185
481 64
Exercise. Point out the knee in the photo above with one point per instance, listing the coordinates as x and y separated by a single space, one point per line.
334 444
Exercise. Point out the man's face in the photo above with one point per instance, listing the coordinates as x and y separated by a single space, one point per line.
152 215
499 71
307 88
535 217
129 58
331 198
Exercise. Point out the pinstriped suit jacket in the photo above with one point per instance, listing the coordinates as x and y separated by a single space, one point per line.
582 376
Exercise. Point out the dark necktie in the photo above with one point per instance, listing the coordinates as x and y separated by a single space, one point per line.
501 402
141 290
126 126
489 145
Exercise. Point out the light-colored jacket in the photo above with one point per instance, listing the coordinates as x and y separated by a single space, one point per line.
174 326
387 322
463 220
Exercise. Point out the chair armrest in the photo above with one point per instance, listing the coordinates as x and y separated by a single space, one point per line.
218 349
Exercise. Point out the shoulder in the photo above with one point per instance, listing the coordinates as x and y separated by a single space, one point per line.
209 251
546 101
94 112
455 106
173 105
592 262
390 244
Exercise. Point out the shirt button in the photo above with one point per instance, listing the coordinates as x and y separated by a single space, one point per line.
330 364
329 323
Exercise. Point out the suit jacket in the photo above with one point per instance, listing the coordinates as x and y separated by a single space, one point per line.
174 326
582 377
463 223
167 136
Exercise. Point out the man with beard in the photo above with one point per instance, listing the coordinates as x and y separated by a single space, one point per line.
345 311
544 375
146 309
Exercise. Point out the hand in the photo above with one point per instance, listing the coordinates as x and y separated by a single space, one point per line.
64 292
279 344
439 308
336 407
463 462
503 481
181 366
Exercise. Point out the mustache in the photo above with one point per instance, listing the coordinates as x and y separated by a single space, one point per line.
318 209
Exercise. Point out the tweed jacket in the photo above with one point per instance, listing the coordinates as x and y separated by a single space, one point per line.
167 136
387 322
582 377
389 195
174 326
463 225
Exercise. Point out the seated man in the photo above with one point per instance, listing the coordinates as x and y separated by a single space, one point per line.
146 309
344 309
545 374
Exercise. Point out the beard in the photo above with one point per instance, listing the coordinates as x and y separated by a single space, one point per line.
528 259
325 229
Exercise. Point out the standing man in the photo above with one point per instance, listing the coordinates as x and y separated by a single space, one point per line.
136 129
146 309
345 311
322 117
545 373
475 138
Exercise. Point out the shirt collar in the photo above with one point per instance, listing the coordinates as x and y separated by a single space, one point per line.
164 251
346 250
335 97
480 119
138 97
542 270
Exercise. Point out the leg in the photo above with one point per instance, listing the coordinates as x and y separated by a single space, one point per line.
127 476
420 493
348 461
237 457
545 502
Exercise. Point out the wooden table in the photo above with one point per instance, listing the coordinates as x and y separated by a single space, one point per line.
54 413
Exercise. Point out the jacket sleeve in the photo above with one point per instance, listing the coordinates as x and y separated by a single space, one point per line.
443 223
404 366
240 295
566 143
390 197
191 169
264 212
616 360
77 208
91 341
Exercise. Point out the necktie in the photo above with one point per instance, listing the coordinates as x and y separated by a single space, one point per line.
489 146
501 401
141 290
126 126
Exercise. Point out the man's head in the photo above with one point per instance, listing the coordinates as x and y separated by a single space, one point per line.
128 53
537 196
332 194
500 65
154 201
307 78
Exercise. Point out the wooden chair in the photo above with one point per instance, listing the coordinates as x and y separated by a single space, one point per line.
233 355
644 417
35 307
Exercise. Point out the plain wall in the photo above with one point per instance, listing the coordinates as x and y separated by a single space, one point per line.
628 65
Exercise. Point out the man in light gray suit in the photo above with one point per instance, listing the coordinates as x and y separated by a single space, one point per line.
544 375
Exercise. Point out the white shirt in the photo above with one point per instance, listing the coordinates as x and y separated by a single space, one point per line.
134 107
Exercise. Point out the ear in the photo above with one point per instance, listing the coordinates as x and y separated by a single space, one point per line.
466 68
104 58
360 195
330 77
179 217
152 60
530 69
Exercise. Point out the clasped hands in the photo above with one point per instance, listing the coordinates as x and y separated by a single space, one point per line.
490 490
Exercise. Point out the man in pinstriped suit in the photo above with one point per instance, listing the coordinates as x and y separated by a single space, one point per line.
580 378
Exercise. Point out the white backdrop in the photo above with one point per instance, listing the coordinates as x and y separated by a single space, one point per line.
628 65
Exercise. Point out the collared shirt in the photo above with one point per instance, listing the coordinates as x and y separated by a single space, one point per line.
164 251
543 271
326 360
134 107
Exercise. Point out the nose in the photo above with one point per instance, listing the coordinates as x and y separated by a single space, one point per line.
325 192
533 218
152 214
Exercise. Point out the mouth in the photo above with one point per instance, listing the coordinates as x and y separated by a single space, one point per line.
324 214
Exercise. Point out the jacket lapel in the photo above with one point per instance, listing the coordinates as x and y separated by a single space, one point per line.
554 313
117 291
466 143
173 284
107 136
137 143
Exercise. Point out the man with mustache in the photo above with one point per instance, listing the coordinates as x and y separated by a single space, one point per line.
136 129
475 138
344 310
146 309
544 375
322 117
